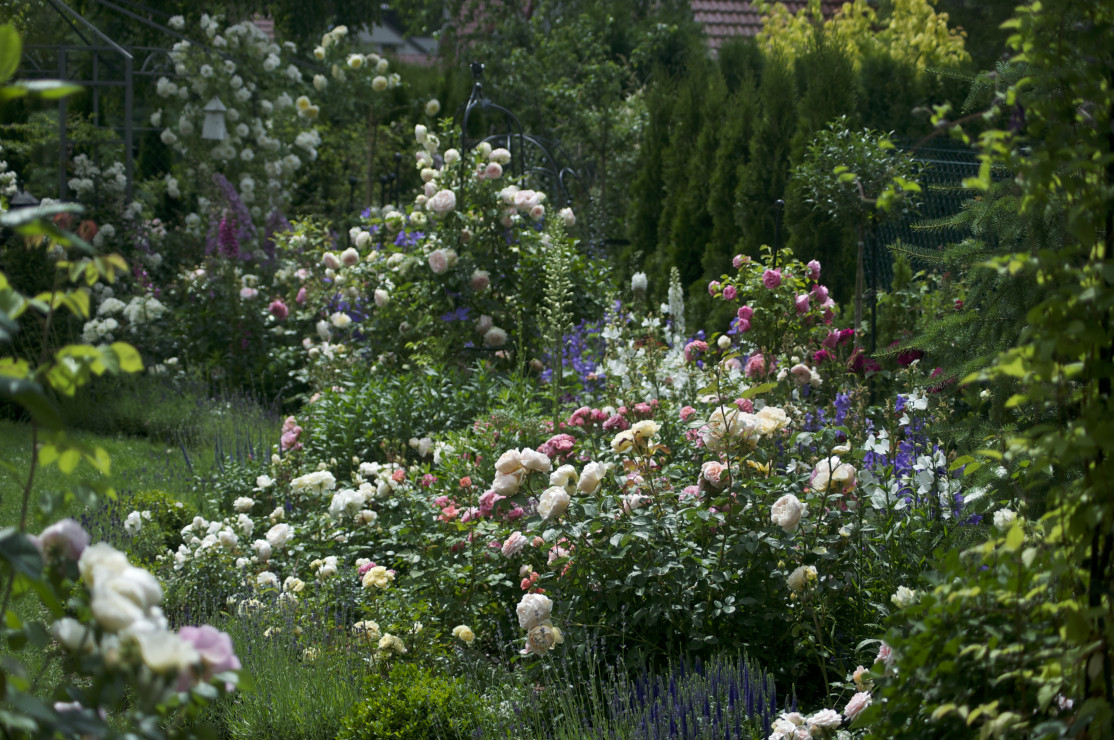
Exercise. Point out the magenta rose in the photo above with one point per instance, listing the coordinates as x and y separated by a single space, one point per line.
813 269
771 278
745 312
729 293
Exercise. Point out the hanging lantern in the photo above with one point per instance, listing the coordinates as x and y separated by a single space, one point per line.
214 127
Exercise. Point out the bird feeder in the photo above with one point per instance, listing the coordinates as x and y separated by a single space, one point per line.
214 128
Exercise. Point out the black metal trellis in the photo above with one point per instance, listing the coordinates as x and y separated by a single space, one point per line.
531 155
112 67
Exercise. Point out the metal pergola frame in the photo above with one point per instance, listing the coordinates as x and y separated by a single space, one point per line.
105 54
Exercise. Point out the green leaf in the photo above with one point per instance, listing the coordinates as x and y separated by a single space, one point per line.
130 361
31 397
20 553
25 216
10 49
45 89
758 390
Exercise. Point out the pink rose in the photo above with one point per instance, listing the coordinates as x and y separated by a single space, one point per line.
745 312
694 348
215 649
858 703
67 537
821 294
756 366
713 287
738 261
248 293
438 261
278 309
687 412
771 278
885 655
831 340
801 302
714 473
442 202
745 405
801 373
480 280
301 297
616 423
729 293
743 325
513 544
493 171
488 500
813 269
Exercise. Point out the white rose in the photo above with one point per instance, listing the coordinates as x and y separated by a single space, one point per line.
786 512
442 202
243 504
113 610
591 477
565 477
801 577
534 460
771 419
904 596
279 535
73 635
532 610
553 502
101 561
1004 519
165 652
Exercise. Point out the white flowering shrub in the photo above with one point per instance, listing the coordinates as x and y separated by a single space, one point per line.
268 133
462 272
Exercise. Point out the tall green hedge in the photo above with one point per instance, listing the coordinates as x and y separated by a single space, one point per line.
722 139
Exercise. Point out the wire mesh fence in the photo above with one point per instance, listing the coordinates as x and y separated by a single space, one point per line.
946 165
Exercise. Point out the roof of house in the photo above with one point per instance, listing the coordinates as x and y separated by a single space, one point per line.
724 20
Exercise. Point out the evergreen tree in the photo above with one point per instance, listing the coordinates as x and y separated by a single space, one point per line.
677 165
692 225
763 176
648 187
826 77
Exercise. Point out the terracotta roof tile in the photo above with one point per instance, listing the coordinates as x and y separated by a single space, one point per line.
727 19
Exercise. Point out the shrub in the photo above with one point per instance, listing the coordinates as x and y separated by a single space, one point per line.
386 408
156 529
410 703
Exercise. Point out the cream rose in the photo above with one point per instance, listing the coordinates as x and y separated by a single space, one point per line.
787 512
553 502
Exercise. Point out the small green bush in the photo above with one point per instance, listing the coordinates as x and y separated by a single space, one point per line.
384 410
410 703
161 520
